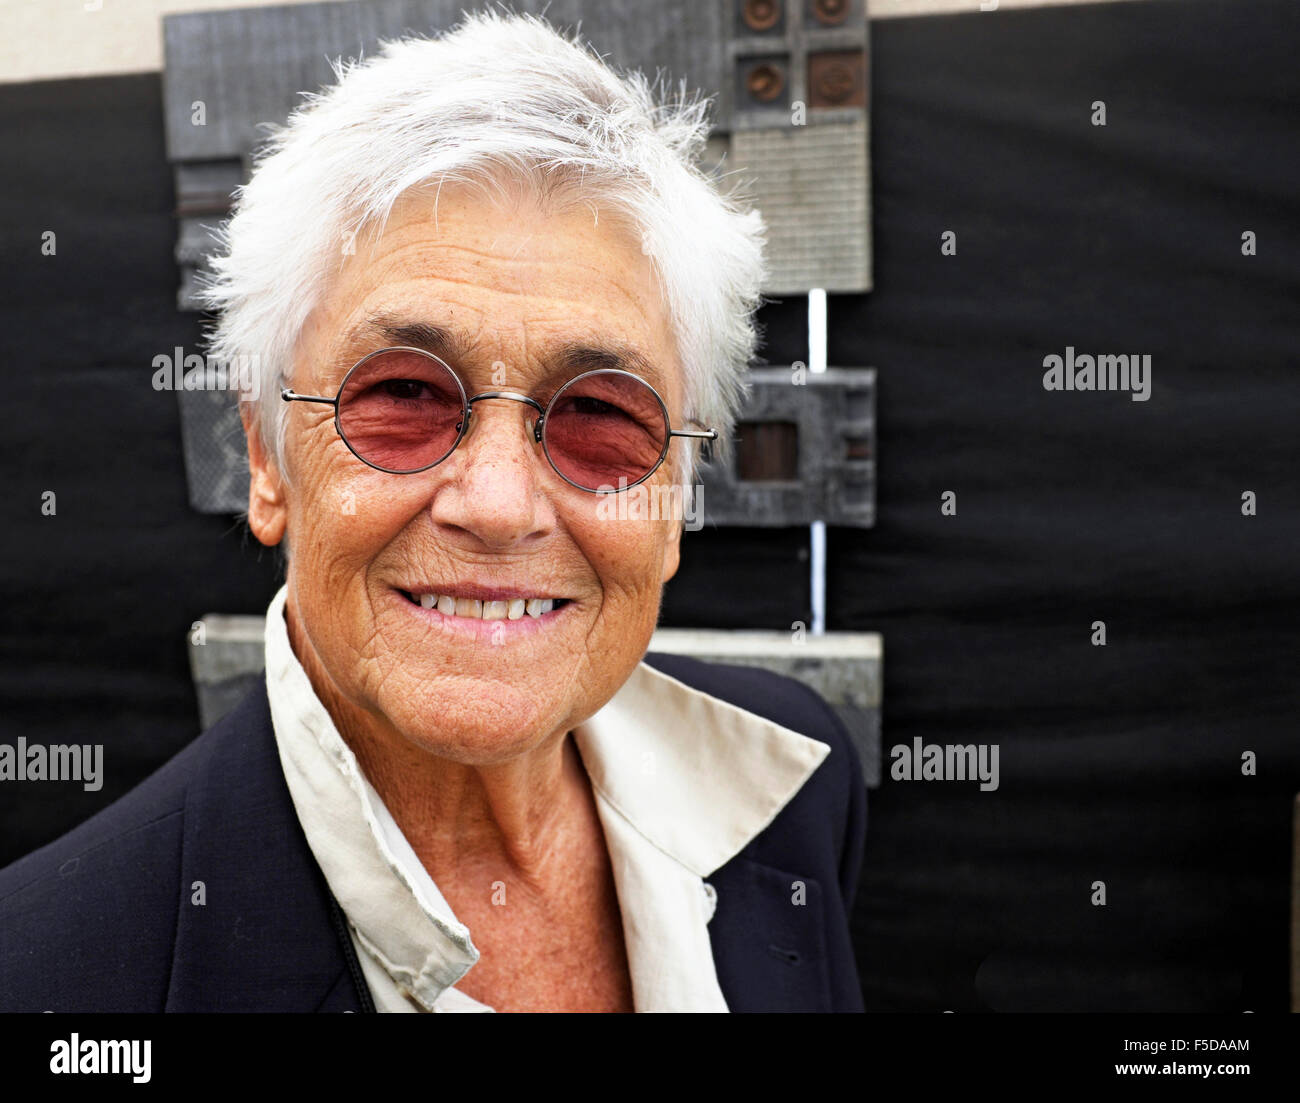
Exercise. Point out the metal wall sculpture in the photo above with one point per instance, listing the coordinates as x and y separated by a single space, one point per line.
791 115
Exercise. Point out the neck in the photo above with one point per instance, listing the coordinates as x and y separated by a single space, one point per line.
508 819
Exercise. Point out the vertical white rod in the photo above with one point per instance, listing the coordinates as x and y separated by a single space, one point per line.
817 330
817 532
818 542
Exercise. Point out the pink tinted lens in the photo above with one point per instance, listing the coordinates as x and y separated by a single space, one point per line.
401 410
604 427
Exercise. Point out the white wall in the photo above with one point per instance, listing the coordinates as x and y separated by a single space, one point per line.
41 39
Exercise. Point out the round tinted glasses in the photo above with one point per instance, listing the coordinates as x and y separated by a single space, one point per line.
403 410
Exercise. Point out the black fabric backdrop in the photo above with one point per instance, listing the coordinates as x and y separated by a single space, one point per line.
1119 763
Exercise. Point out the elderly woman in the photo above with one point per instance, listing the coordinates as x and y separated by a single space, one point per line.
487 289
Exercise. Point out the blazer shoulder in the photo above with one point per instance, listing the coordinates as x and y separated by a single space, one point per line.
89 918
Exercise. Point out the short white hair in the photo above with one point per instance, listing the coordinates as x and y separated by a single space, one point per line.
498 99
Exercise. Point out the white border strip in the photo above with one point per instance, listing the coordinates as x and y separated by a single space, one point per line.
894 9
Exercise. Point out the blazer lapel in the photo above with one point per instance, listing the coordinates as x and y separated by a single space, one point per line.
257 929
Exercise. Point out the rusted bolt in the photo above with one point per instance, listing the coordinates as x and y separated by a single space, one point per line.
831 11
837 79
765 82
761 15
835 82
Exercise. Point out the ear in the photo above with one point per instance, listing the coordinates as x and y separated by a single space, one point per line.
268 513
673 551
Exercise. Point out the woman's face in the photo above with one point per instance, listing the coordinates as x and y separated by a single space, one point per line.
516 289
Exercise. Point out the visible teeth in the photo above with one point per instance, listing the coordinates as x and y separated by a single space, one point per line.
473 608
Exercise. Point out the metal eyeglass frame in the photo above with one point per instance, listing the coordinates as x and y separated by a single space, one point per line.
467 411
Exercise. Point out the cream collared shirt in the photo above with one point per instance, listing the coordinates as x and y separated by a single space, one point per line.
682 782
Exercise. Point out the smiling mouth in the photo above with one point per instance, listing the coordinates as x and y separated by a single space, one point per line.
473 609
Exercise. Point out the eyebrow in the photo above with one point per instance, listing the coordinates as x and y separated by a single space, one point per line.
572 358
576 358
438 340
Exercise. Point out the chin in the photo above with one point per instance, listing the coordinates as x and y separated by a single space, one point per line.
452 721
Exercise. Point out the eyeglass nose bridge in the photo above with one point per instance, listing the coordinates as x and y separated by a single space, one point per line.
512 396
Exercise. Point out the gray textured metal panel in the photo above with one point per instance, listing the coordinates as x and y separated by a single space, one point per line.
248 66
216 458
810 184
245 67
800 134
835 415
203 194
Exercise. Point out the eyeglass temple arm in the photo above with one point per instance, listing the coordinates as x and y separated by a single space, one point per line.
290 395
704 434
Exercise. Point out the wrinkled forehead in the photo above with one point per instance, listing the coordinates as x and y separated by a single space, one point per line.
582 351
500 288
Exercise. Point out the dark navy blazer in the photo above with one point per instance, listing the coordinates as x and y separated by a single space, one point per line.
103 919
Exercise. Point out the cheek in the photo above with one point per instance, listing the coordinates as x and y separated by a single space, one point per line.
341 517
627 555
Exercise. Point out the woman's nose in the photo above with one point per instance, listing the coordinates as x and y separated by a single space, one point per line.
495 492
